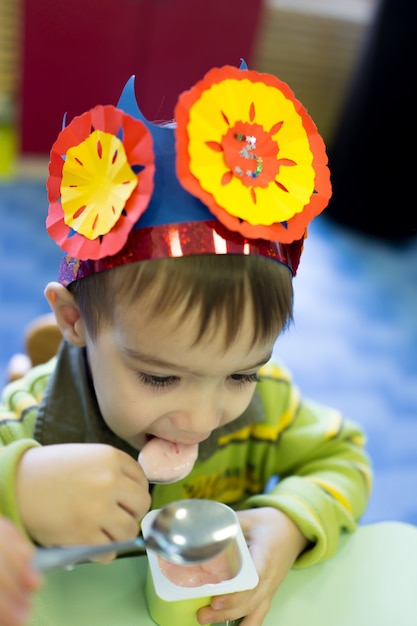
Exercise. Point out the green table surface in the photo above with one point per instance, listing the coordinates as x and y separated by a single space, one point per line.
371 581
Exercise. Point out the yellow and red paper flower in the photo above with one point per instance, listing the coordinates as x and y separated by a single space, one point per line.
100 182
252 154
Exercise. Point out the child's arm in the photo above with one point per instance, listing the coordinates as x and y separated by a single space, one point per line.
324 471
67 493
18 581
323 488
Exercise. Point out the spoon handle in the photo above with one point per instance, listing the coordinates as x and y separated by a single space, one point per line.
48 559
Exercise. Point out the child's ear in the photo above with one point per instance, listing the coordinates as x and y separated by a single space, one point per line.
67 313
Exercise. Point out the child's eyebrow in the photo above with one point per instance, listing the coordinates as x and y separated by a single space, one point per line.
259 364
157 362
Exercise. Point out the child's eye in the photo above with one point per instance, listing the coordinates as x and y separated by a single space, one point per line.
157 381
244 379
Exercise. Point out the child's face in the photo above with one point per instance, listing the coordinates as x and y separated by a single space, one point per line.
151 380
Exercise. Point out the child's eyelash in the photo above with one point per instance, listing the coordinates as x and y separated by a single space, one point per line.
242 379
157 381
166 381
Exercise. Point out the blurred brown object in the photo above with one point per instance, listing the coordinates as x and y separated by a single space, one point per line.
42 339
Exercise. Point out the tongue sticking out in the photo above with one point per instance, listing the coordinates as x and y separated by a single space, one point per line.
166 461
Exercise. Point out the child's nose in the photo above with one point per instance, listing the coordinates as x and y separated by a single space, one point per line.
202 416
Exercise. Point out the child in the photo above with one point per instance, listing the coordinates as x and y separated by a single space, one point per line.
180 245
18 581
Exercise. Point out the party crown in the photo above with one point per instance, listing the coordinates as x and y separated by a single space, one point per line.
242 170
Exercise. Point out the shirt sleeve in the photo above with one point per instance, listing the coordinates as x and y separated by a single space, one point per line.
18 411
323 471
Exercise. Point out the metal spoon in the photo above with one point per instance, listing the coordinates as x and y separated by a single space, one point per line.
185 532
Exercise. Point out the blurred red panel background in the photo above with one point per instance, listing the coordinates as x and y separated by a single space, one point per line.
80 53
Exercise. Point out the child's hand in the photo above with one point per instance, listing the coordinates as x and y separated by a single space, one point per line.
274 542
18 580
81 493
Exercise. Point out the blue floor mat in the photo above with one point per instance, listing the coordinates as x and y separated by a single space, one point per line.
353 344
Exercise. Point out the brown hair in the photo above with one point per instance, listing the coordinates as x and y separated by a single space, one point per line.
217 284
